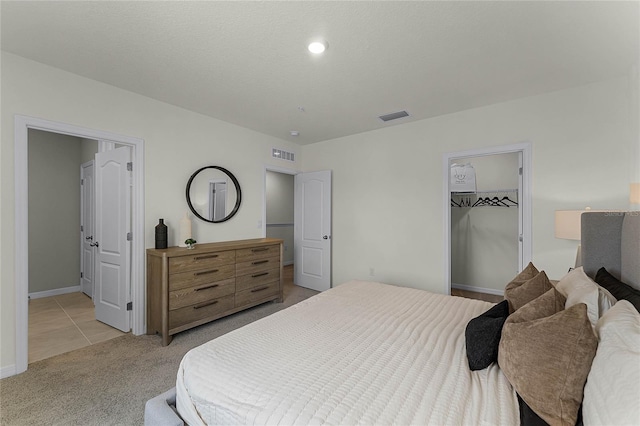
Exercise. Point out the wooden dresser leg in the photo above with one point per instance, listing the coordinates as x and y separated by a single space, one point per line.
166 339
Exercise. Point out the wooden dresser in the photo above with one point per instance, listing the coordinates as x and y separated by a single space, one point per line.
187 288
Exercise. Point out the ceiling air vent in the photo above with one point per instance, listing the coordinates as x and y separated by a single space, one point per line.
283 155
394 116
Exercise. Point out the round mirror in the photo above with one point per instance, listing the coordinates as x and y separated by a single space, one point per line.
210 195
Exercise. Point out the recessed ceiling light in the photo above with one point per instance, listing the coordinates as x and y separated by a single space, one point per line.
318 46
295 133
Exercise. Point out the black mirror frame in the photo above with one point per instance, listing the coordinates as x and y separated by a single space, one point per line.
235 183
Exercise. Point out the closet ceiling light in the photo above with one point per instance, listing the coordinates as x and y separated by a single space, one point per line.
318 47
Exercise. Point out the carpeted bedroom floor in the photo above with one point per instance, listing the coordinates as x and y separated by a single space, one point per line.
109 383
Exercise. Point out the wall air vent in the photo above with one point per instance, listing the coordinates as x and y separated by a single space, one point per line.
283 155
394 116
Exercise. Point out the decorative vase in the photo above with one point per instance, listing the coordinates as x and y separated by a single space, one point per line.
161 235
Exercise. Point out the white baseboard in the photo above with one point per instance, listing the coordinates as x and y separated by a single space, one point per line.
54 292
7 371
477 289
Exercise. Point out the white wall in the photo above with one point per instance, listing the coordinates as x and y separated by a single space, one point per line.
484 240
88 150
279 212
582 139
54 211
177 142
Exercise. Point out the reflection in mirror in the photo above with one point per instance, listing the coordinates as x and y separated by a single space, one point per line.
217 200
211 196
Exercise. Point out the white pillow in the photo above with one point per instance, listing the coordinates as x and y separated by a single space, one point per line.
605 300
613 385
577 287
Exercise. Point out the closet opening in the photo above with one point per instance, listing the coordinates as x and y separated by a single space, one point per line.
487 218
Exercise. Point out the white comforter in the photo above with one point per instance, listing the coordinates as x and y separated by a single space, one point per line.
360 353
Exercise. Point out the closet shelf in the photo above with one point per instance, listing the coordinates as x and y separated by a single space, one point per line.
492 191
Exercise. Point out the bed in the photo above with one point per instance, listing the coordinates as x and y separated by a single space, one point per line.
372 353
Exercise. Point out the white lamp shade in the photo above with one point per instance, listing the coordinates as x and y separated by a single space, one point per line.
634 193
567 224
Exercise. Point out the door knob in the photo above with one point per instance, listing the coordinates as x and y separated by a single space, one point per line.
89 238
96 244
326 237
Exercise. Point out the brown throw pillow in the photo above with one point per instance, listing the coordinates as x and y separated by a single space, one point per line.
520 293
546 354
527 273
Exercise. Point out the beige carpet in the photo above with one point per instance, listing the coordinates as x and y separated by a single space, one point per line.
109 383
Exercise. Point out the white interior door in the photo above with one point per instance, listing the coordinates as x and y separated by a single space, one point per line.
113 206
87 203
312 230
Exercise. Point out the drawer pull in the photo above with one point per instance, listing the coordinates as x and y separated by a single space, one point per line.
255 250
255 290
210 256
259 262
207 287
203 305
259 275
213 271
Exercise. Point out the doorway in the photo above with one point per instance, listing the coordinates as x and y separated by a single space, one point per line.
279 220
279 210
22 126
471 226
62 251
311 224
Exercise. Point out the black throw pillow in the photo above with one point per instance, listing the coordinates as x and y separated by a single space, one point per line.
482 336
528 417
617 288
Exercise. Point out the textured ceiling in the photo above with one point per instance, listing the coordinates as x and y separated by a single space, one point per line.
247 63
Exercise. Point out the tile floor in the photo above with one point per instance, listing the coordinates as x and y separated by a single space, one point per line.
60 324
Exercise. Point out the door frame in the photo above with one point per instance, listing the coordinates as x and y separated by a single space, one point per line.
21 126
525 199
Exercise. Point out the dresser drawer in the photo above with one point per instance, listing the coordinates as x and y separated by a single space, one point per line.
201 276
255 266
202 293
200 311
201 261
245 255
246 282
256 294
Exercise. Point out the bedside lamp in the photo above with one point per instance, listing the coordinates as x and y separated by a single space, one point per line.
567 227
634 194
